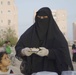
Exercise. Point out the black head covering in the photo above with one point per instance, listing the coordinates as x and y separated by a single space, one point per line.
47 25
45 33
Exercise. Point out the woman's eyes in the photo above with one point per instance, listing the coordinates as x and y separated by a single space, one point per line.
42 17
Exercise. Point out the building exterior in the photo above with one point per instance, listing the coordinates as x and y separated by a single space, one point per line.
74 31
60 17
8 16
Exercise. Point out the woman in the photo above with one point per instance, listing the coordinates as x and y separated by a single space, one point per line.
52 48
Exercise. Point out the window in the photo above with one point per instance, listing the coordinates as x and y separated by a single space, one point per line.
1 2
9 11
4 31
8 2
1 11
1 21
9 21
1 29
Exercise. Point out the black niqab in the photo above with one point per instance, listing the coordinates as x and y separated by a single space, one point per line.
42 25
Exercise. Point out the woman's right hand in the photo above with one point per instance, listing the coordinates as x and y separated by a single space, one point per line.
26 51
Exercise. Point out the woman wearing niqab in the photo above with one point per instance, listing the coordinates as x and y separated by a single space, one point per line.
46 34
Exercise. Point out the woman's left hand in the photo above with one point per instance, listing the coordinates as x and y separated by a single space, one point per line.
43 51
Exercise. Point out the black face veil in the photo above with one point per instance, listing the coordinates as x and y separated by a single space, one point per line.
42 24
47 27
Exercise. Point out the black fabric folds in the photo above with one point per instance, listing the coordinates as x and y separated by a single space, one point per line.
45 34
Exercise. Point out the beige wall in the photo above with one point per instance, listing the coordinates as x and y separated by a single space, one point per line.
60 17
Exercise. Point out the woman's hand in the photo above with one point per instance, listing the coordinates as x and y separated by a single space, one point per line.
43 52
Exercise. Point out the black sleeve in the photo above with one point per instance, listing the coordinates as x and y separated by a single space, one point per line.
19 46
58 49
60 52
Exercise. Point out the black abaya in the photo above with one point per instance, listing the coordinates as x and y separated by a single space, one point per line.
50 37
